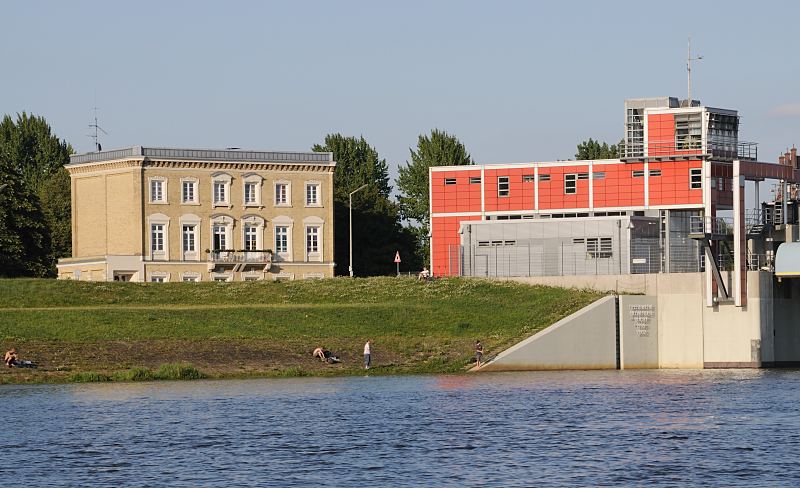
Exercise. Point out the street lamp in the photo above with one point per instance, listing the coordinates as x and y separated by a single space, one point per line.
350 267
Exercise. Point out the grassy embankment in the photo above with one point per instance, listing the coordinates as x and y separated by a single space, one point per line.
80 331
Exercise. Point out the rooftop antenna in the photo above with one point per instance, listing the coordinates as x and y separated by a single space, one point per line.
96 136
689 60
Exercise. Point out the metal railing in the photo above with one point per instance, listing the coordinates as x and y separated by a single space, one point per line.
692 147
567 260
699 224
760 262
240 256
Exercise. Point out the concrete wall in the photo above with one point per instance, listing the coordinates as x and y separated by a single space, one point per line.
692 335
639 332
680 318
584 340
732 336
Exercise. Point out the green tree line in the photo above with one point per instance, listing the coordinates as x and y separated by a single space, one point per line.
35 203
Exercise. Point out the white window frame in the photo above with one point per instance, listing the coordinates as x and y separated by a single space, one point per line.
195 187
573 179
157 219
191 276
225 221
283 221
288 185
252 276
318 191
162 181
195 221
159 277
225 180
698 173
222 277
256 181
189 238
503 187
253 221
319 224
283 276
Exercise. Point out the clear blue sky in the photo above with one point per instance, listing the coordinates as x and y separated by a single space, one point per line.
515 81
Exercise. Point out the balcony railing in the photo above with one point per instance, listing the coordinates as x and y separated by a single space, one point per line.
693 147
710 225
240 257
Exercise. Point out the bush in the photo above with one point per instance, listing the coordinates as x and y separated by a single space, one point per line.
88 377
178 372
135 374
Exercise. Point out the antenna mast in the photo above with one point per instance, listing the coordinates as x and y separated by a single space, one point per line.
689 60
96 136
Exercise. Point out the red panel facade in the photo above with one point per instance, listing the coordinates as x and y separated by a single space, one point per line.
445 242
660 134
673 187
521 194
451 191
617 185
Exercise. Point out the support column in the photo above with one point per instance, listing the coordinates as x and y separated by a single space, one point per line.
667 265
758 199
708 212
739 238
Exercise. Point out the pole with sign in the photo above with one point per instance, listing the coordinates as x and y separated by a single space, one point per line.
397 261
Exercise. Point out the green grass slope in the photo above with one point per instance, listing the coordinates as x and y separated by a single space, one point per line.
271 327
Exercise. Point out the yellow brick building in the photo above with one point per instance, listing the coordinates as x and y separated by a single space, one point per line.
165 214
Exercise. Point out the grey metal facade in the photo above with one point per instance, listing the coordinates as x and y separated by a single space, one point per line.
574 246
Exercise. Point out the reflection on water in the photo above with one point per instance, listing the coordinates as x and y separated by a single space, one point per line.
661 428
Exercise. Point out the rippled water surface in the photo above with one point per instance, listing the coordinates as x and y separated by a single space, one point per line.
655 428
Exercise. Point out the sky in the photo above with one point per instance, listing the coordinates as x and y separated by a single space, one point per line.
514 81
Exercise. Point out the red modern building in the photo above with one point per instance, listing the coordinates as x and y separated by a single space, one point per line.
678 158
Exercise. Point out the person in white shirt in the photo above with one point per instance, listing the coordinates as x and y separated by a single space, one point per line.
424 275
367 354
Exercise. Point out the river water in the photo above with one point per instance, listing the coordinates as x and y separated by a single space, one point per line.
655 428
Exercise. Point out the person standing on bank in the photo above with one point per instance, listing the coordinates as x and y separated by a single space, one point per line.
478 353
367 354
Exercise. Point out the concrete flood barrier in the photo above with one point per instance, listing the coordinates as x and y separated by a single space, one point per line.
583 340
669 326
611 333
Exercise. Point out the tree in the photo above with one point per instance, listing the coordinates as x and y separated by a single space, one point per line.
357 163
592 149
55 196
38 154
32 167
24 236
438 149
376 220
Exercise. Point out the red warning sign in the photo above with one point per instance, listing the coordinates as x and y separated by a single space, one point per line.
397 257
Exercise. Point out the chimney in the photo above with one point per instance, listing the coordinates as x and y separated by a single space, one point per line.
794 162
781 159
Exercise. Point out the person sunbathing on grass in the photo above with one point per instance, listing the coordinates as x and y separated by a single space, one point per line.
12 360
325 355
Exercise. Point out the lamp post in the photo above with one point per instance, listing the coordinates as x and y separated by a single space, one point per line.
350 264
